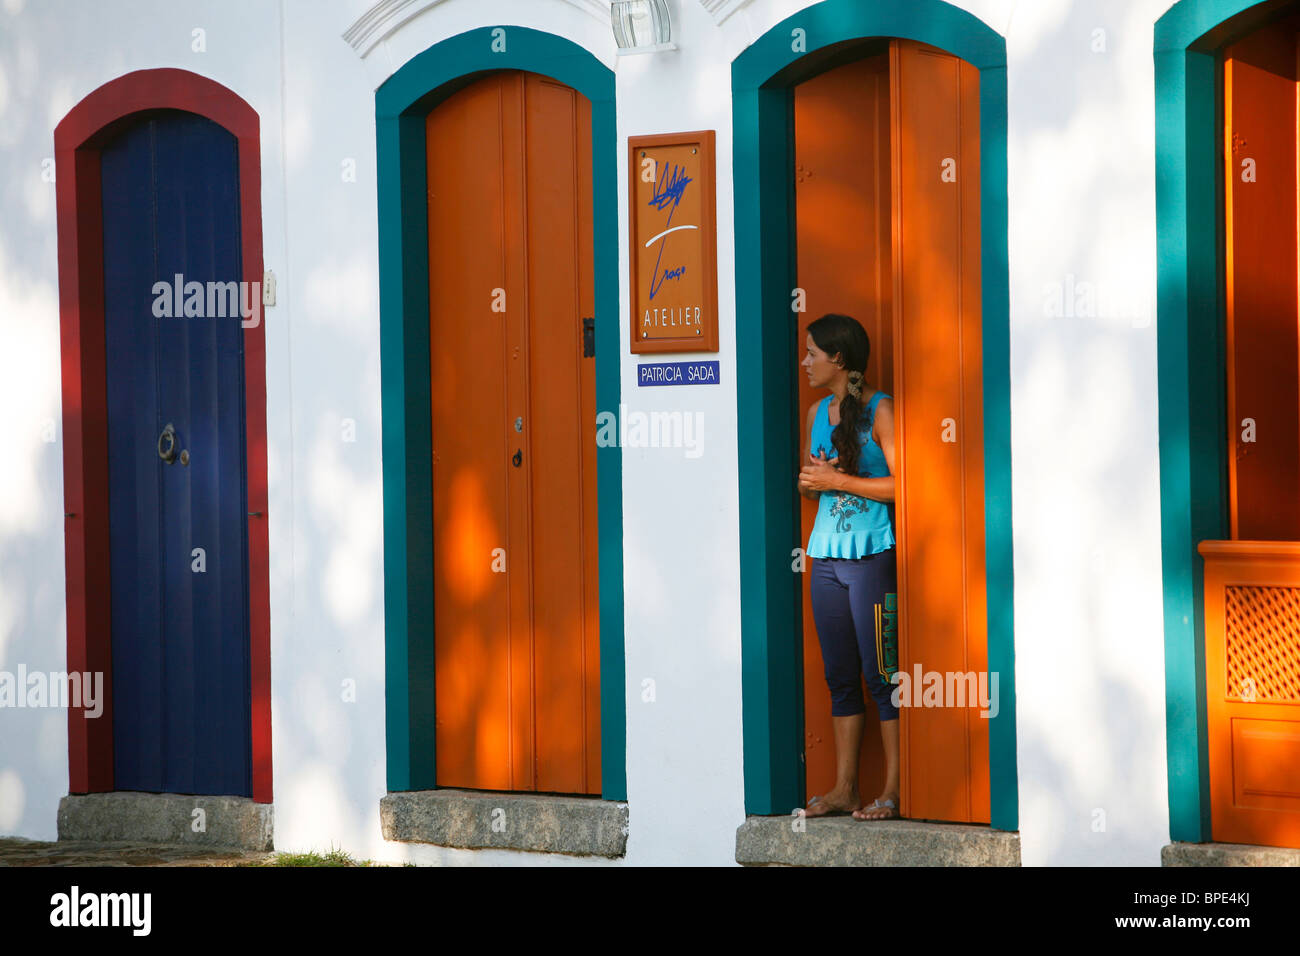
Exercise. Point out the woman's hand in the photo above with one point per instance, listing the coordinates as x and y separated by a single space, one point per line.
819 474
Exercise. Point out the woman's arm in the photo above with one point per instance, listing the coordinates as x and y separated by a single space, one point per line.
878 489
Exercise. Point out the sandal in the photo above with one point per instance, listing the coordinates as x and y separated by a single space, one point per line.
878 804
825 809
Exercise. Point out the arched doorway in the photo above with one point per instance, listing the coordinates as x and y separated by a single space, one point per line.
452 617
927 144
1230 417
160 270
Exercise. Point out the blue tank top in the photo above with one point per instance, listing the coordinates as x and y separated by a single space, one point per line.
850 526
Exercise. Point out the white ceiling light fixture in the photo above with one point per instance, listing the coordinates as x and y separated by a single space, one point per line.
641 26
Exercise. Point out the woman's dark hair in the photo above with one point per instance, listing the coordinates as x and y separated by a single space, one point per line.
844 339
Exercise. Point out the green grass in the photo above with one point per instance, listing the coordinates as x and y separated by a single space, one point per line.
334 857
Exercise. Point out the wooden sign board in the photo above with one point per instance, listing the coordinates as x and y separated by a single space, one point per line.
674 246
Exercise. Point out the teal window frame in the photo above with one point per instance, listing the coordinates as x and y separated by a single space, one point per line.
771 621
402 105
1191 389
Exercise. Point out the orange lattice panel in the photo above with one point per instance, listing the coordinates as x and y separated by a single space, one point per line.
1262 633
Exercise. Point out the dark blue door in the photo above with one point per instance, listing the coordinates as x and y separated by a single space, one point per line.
177 518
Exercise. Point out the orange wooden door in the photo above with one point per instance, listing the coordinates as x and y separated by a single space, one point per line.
1252 583
514 471
940 434
1259 98
842 184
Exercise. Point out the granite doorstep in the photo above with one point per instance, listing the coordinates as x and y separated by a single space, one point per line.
843 841
166 818
1227 854
540 823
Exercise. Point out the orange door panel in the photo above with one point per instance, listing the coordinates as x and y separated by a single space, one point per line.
940 507
468 144
1259 97
561 396
515 615
1252 690
842 184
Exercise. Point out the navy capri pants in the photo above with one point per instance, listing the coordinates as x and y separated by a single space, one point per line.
855 608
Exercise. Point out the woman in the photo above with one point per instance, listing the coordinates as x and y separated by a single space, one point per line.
850 469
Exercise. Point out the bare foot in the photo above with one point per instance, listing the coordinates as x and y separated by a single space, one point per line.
885 807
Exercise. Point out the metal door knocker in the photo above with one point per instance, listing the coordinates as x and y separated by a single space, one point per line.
167 446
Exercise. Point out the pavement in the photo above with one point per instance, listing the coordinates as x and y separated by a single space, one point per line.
15 852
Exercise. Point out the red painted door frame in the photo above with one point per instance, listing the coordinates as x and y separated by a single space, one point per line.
77 142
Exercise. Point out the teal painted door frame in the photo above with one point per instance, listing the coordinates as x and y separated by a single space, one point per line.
1192 385
402 104
762 80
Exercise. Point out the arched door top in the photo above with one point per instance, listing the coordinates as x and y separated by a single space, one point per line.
161 89
830 22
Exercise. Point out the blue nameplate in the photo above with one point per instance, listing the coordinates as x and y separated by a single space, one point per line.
679 373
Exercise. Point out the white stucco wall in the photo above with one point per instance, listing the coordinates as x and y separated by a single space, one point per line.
52 54
1089 629
1089 644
